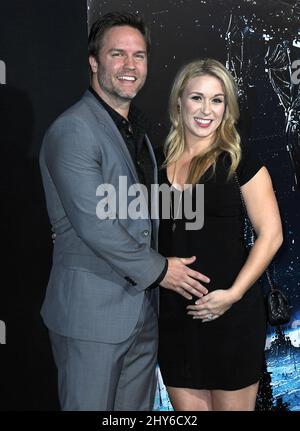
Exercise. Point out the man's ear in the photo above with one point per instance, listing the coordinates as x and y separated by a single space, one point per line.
93 63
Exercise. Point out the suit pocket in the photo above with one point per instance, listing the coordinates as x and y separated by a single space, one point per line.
88 263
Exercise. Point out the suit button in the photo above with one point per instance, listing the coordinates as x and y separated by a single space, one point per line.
145 232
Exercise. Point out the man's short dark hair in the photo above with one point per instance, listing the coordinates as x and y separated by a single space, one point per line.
113 19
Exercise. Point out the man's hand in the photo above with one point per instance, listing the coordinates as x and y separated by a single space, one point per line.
184 280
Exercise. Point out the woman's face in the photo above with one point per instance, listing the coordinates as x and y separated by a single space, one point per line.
202 107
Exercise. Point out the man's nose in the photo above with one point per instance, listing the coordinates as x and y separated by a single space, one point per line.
129 62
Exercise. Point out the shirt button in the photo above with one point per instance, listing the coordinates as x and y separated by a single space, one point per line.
145 232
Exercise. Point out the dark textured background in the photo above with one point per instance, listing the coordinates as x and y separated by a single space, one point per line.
44 47
43 44
250 37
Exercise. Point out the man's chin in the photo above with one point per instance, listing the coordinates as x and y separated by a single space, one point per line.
128 93
127 96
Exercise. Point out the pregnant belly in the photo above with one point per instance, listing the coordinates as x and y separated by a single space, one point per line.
221 265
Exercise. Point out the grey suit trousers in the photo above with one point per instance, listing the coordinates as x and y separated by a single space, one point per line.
95 376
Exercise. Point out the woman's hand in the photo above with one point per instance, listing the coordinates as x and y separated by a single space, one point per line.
212 305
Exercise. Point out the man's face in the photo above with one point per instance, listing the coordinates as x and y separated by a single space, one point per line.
121 67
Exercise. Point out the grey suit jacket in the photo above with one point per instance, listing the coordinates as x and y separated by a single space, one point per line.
101 268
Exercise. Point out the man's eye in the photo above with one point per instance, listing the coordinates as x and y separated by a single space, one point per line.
116 54
140 56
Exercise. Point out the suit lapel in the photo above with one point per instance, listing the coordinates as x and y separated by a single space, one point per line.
154 196
110 127
152 157
120 146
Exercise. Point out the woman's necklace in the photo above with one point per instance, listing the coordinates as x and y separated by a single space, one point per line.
172 213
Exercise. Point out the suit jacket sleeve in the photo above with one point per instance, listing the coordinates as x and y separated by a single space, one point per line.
73 160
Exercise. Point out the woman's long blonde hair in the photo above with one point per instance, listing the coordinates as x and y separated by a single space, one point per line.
227 137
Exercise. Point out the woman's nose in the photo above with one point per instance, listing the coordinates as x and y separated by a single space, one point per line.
205 107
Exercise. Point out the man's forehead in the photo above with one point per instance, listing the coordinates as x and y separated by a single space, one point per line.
120 37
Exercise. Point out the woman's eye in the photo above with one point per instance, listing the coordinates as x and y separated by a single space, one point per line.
196 97
217 100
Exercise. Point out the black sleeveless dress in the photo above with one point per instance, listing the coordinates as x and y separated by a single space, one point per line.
226 353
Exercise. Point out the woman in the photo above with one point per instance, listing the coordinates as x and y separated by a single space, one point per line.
211 350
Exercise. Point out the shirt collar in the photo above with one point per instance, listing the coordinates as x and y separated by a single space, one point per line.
136 117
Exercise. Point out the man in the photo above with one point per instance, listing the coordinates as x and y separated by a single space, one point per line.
101 300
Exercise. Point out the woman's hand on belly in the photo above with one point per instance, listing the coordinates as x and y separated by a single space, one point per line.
212 305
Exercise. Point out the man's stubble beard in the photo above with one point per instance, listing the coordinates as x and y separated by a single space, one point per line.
114 92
